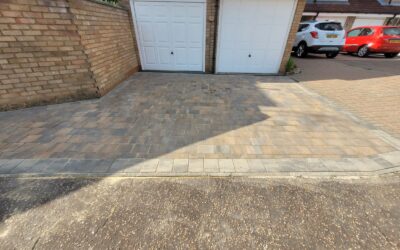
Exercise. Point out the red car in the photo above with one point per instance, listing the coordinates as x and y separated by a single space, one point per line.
373 39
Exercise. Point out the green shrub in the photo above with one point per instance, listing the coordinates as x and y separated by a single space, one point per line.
290 66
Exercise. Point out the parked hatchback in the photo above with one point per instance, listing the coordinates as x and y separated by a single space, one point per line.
320 37
373 39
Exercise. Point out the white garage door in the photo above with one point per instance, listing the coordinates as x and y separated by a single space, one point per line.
340 19
253 35
368 22
170 35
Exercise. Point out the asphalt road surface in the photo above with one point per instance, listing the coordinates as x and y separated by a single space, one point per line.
200 213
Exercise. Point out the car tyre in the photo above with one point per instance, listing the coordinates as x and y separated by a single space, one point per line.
363 51
301 50
332 55
391 55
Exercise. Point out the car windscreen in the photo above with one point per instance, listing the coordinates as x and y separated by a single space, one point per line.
329 26
391 31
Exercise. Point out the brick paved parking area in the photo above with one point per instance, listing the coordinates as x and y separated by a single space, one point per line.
368 87
169 124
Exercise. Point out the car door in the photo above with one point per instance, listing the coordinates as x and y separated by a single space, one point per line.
365 37
352 42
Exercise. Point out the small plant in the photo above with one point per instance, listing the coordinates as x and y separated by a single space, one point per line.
290 66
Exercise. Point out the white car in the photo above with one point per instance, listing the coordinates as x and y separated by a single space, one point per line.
320 37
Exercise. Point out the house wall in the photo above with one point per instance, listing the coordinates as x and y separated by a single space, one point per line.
42 59
108 40
292 35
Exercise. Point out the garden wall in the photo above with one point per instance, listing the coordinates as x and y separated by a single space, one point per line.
58 50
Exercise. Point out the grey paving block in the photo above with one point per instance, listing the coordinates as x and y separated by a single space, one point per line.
49 166
24 167
149 166
165 166
196 166
181 165
211 165
241 165
226 166
256 165
126 165
7 165
87 166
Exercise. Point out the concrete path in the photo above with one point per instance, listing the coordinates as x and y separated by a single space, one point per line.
160 124
199 213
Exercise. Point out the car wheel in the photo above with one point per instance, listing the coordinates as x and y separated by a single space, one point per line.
332 54
301 50
363 51
391 55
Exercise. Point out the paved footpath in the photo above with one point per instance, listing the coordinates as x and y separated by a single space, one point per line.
167 124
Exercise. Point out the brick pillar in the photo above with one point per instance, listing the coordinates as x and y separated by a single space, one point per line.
292 35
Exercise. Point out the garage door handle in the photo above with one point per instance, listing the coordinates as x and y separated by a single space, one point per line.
172 52
249 55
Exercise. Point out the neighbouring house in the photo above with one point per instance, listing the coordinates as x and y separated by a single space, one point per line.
58 50
354 13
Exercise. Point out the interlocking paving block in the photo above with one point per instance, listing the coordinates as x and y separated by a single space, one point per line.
88 166
393 157
126 166
7 165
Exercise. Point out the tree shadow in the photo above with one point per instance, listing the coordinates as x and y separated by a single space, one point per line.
151 115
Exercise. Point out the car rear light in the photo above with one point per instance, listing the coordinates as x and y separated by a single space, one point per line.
314 34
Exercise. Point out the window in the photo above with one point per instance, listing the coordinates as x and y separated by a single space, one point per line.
354 33
391 31
331 26
366 32
303 27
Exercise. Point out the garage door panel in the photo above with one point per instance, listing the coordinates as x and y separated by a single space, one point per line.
261 30
170 35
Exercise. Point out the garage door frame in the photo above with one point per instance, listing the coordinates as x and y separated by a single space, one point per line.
219 29
133 11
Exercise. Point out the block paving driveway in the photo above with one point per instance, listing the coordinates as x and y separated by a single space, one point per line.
170 124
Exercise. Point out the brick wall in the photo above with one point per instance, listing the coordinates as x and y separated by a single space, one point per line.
292 35
58 50
42 59
107 36
211 28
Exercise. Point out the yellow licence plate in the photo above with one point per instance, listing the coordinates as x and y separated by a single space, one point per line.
331 36
394 41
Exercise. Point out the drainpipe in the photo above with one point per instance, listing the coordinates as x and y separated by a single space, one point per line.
392 18
315 17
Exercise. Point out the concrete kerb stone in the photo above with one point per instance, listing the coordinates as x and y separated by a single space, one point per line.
384 163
